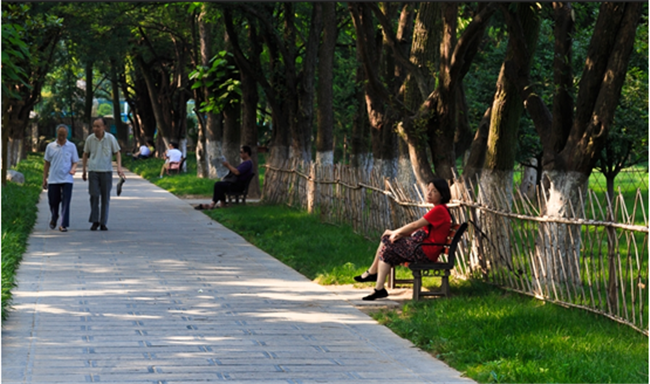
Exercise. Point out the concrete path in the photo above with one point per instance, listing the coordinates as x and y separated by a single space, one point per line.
167 295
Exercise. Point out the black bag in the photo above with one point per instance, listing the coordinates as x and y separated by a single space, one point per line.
230 177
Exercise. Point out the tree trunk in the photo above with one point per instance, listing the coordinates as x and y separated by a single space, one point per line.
250 98
164 128
425 54
360 154
88 103
383 140
232 132
325 113
209 147
476 157
122 134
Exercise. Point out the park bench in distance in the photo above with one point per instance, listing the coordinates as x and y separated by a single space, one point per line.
429 268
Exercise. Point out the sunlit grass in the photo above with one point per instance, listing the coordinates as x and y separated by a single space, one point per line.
496 336
19 209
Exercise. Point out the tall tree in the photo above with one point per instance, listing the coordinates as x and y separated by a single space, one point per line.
572 140
40 31
381 121
438 112
507 108
325 113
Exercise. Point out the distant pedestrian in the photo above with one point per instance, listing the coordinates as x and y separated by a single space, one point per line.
98 156
61 161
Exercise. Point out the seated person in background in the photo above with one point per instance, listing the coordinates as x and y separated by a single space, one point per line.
235 180
144 152
172 155
400 245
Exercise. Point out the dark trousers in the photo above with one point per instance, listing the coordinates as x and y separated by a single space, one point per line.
219 191
99 188
60 195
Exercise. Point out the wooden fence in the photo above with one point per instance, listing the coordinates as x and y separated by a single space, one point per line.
597 260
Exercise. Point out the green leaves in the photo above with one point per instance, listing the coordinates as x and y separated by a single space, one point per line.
220 80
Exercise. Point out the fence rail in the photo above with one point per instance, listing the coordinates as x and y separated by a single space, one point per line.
596 260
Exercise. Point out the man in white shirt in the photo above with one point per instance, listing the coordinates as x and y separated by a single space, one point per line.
97 157
173 155
61 160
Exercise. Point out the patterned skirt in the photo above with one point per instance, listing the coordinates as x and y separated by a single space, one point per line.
403 250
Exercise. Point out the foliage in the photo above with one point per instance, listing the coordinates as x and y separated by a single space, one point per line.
14 49
220 78
18 217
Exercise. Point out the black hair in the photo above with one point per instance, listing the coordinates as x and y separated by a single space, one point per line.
174 144
442 187
247 149
103 120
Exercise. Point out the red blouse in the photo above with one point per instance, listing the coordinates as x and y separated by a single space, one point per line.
440 221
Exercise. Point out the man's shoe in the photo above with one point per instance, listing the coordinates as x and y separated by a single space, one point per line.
370 277
94 227
52 224
103 228
119 185
63 229
378 294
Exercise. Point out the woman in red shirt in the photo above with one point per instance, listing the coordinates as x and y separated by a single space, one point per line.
400 245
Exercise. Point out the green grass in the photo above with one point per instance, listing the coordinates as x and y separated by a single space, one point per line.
495 336
324 253
18 217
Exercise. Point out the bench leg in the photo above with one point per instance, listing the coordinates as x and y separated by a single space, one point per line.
417 284
391 278
444 285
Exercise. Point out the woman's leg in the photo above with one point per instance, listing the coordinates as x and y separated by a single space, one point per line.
382 271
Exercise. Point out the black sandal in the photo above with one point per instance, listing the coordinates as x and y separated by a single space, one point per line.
199 207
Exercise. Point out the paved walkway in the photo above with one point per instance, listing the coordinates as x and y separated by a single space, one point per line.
167 295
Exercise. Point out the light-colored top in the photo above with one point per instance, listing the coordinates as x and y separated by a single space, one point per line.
145 151
61 158
174 155
100 152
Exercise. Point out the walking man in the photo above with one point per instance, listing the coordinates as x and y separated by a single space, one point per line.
61 161
98 154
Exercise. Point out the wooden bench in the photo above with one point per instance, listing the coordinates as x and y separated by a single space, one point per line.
441 269
237 194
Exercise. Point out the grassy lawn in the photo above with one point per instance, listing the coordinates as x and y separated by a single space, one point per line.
18 218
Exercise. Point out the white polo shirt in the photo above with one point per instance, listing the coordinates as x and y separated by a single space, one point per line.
174 155
60 158
100 152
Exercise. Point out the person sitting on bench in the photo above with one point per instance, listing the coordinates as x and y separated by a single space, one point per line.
235 180
401 245
172 155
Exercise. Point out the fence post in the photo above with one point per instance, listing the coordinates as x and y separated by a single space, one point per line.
312 194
